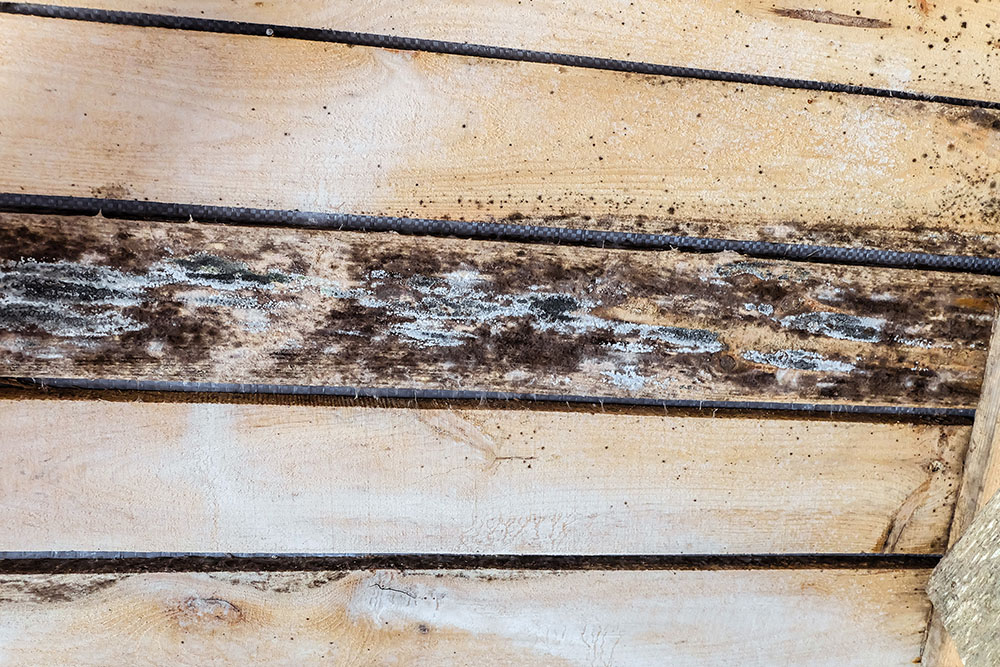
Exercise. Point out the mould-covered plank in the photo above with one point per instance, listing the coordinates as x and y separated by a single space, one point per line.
137 113
97 298
287 478
475 617
945 47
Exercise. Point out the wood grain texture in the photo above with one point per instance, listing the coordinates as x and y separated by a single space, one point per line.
815 617
946 47
981 472
138 113
96 298
980 481
99 476
964 589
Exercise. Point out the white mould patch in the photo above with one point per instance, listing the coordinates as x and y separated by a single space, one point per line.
802 360
448 310
626 377
837 325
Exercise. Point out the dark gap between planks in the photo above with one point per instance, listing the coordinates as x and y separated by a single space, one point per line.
195 24
489 231
90 562
194 392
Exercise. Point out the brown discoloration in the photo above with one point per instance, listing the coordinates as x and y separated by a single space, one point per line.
200 302
111 191
55 589
832 18
983 118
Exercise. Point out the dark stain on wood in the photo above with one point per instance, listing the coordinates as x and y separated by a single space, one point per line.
89 297
56 589
21 389
832 18
983 118
282 573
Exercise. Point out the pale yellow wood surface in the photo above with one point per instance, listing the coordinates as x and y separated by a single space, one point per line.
761 618
945 47
980 480
95 475
127 112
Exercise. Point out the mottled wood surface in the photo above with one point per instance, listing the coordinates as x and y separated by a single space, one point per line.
980 481
763 618
139 113
965 590
116 476
945 47
96 298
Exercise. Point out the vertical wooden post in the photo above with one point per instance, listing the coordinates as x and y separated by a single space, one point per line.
980 480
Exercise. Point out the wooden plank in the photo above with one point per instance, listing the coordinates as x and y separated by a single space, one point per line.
981 476
964 588
96 298
478 617
179 477
139 113
944 48
980 481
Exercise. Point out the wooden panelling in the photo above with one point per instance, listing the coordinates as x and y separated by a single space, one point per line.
945 47
139 113
97 298
478 617
118 476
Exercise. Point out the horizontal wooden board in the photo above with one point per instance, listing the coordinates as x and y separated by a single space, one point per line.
138 113
945 47
481 617
97 298
174 477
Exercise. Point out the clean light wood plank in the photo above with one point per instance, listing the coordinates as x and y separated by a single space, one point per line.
479 617
945 47
97 298
128 112
980 481
964 589
117 476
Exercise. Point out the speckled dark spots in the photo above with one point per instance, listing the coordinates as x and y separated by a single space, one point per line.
117 190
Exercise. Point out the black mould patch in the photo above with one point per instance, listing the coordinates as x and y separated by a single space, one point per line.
204 266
